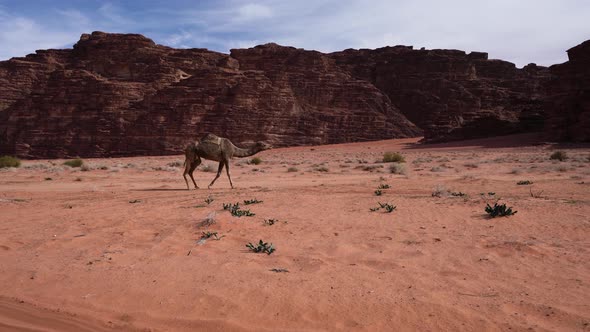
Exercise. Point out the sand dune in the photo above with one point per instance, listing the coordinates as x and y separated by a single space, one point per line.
117 247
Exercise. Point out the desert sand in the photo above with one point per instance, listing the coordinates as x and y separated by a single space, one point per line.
117 245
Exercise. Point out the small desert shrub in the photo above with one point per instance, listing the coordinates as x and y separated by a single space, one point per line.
321 169
369 168
384 186
458 194
176 163
255 161
235 210
74 162
9 161
209 200
251 201
499 210
437 169
262 247
397 168
471 165
378 192
48 179
292 169
206 235
558 155
388 207
440 191
85 168
524 183
393 157
207 168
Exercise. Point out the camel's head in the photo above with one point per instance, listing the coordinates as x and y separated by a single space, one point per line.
261 146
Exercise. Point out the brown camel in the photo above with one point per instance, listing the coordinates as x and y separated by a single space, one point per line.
215 148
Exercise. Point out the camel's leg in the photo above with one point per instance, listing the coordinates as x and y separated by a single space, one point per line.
187 166
221 163
195 163
229 177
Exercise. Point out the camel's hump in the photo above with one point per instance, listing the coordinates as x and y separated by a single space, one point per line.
211 139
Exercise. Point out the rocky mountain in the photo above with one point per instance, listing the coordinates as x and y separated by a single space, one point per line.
453 95
568 97
121 94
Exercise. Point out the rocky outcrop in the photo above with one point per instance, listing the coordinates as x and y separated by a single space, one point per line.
450 94
121 94
568 97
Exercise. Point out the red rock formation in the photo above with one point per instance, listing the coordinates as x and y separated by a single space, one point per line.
450 94
568 101
121 94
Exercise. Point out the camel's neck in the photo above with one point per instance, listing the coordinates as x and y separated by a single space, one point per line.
239 152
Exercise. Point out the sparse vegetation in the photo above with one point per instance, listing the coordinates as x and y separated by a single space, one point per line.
499 210
384 186
458 194
235 210
321 169
74 162
255 161
48 179
251 201
397 168
261 247
558 155
209 200
524 183
270 222
386 206
176 163
206 235
134 201
9 161
393 157
378 192
292 169
440 191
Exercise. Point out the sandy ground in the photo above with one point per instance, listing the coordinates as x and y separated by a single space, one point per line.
117 246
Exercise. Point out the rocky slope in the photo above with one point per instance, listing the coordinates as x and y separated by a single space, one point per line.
121 94
450 94
568 100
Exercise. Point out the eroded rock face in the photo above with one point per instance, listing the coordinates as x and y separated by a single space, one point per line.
568 97
450 94
121 94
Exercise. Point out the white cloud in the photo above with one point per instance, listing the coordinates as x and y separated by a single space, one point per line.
252 11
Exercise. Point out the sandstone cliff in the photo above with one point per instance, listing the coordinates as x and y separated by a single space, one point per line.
568 97
121 94
450 94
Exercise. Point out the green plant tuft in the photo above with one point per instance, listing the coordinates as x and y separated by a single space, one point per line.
9 161
235 211
261 247
499 210
251 201
74 162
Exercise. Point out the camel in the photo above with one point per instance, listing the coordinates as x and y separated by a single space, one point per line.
212 147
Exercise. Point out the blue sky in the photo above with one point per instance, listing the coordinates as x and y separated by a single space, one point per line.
520 31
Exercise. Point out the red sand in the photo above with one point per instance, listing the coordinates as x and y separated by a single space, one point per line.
76 255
